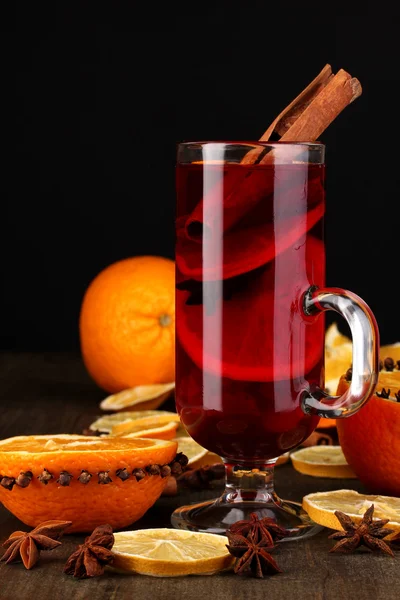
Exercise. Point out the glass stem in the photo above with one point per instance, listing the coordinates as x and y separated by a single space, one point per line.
249 482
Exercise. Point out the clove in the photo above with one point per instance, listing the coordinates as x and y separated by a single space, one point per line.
103 477
7 482
65 478
122 474
85 477
24 479
139 474
45 477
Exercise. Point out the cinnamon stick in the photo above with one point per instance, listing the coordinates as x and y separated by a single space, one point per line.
303 120
286 119
292 112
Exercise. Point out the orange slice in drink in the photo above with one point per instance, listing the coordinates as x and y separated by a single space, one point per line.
248 321
247 249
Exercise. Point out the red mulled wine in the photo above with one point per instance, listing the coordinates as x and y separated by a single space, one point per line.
249 245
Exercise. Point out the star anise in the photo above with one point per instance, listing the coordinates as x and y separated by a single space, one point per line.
384 394
252 556
368 533
26 546
90 559
265 528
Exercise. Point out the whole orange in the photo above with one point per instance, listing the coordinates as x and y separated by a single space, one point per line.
127 323
370 439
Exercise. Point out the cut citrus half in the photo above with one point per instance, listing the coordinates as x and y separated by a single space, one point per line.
326 423
141 397
322 461
105 423
243 350
390 350
144 424
171 552
321 507
370 439
57 477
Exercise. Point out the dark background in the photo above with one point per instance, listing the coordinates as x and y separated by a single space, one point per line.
97 103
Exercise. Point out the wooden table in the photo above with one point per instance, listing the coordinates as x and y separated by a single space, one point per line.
52 393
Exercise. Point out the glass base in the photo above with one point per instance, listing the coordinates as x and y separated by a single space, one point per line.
216 516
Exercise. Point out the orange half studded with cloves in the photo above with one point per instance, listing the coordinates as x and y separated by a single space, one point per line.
83 479
370 439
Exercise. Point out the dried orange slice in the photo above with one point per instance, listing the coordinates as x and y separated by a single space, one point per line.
105 423
283 459
321 507
338 357
171 552
148 426
163 432
57 477
197 455
322 461
140 397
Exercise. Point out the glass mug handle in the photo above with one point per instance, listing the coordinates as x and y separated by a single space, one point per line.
365 365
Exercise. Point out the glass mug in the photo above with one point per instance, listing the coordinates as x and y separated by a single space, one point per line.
250 327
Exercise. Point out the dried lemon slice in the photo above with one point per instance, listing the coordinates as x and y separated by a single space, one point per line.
321 507
322 461
170 552
140 397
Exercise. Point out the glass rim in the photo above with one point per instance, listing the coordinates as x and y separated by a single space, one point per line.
316 144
